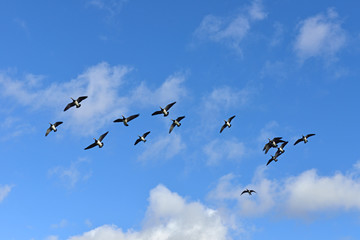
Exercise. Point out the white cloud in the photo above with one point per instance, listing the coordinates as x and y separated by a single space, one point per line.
320 35
230 31
112 7
162 148
296 196
219 150
61 224
72 175
52 237
168 217
4 191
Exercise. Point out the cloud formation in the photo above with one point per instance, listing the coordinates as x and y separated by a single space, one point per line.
219 150
4 191
168 217
320 36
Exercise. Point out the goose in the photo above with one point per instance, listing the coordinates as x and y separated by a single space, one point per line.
142 138
75 103
126 120
165 110
52 128
272 143
175 122
227 123
247 191
97 142
281 149
304 138
273 158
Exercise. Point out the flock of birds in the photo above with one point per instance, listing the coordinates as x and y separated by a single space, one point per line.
273 143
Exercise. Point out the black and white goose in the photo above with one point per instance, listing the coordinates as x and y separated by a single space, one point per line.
272 143
126 120
176 122
98 142
304 138
142 138
273 158
281 148
227 123
165 110
52 128
75 103
248 191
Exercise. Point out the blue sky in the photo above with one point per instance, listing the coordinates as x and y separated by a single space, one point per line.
284 68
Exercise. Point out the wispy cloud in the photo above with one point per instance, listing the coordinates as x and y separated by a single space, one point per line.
71 175
230 31
4 191
168 216
320 36
63 223
296 196
112 7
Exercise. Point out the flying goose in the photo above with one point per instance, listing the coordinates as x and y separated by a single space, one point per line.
97 142
281 149
176 122
304 138
227 123
165 110
142 138
247 191
75 103
52 128
273 158
272 143
126 120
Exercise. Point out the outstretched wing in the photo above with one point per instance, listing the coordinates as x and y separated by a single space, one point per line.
266 148
222 128
47 131
297 141
169 106
81 98
171 127
269 161
119 120
180 118
103 136
132 117
90 146
284 144
156 113
69 106
309 135
231 118
145 134
137 141
245 191
252 191
57 124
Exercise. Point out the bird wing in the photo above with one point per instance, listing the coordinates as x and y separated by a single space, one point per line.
119 120
81 98
145 134
180 118
132 117
137 141
57 124
252 191
309 135
103 136
231 118
90 146
47 131
245 191
222 128
297 141
169 106
69 106
171 127
278 153
156 113
266 148
284 144
269 161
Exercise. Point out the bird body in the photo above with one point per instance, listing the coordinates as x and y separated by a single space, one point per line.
176 122
126 120
164 111
248 191
272 143
304 138
227 123
141 138
273 158
98 142
75 102
281 149
52 128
